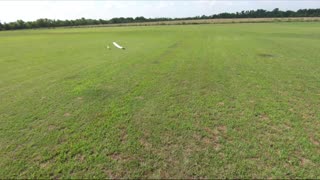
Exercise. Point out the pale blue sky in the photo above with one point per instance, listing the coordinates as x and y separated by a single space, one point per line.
32 10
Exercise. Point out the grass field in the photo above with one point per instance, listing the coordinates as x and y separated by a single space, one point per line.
197 101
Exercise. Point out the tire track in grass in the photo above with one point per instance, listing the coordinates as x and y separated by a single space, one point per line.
170 138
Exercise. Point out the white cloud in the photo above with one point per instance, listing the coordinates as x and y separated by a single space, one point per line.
32 10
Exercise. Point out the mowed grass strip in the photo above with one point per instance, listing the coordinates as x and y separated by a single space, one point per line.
198 101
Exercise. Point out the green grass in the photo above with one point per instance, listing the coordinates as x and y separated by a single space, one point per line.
202 101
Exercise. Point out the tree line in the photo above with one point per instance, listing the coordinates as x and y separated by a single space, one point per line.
259 13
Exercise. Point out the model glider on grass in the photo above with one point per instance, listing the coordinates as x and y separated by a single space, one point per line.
117 45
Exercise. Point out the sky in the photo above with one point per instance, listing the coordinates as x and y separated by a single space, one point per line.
11 10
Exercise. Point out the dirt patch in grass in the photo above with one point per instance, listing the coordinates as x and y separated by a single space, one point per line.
111 174
214 136
52 127
123 135
145 143
80 157
285 126
220 104
44 165
305 162
119 157
67 114
139 97
314 141
264 117
222 129
308 115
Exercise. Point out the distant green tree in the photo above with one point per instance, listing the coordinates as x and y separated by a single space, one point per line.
140 19
20 24
259 13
